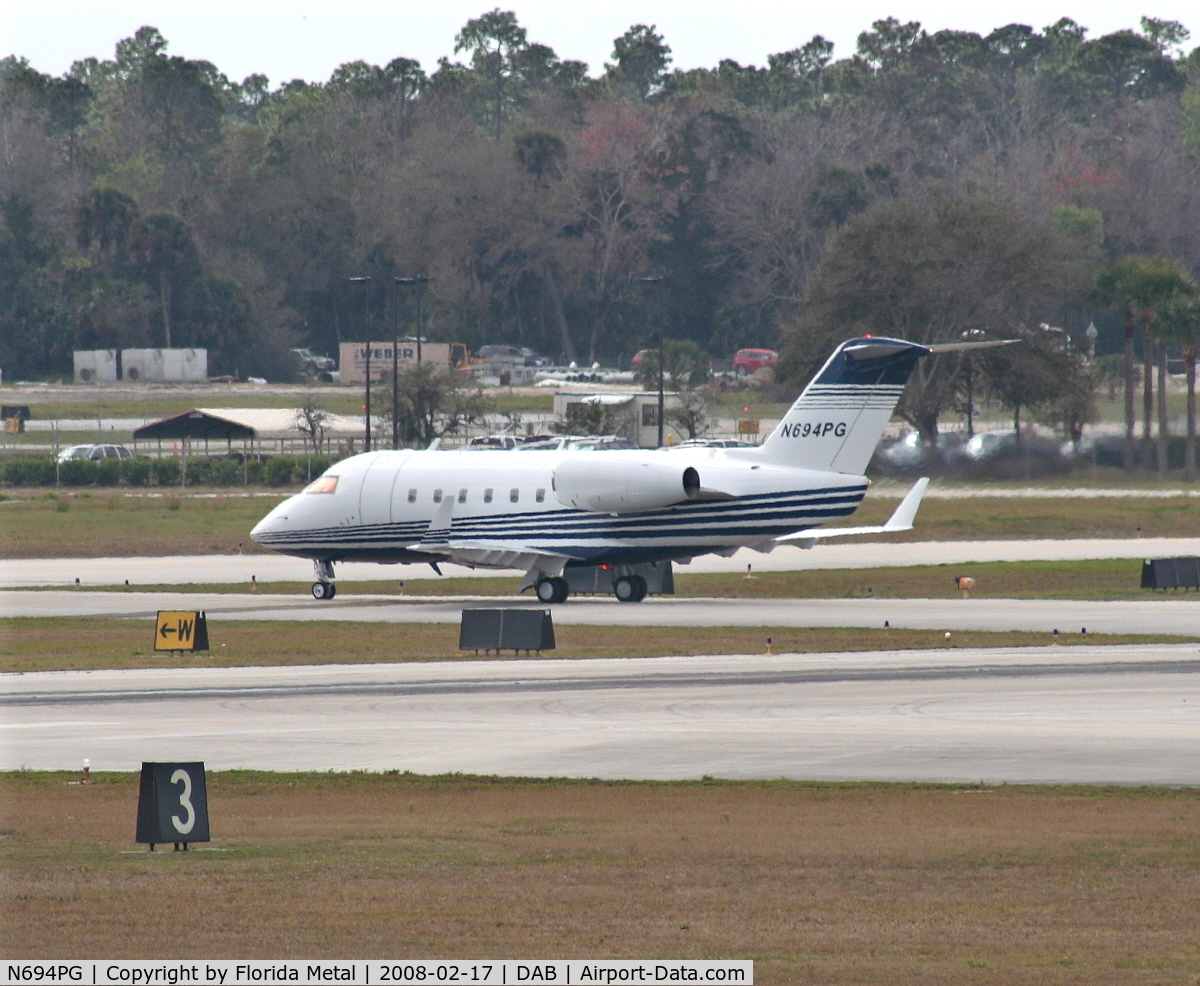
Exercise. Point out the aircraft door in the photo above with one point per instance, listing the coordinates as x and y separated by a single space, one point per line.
375 494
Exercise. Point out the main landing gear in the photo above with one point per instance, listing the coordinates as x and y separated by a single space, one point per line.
630 588
553 590
323 588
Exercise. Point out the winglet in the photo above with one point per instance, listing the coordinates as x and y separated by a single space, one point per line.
901 520
904 515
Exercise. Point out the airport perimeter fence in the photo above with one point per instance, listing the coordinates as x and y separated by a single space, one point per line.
142 471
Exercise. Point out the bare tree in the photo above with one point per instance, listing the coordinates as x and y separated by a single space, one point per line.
311 420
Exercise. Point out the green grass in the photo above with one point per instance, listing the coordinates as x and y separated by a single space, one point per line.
1097 579
100 522
816 882
30 644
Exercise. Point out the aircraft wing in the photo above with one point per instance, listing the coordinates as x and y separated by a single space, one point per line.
489 554
901 520
503 554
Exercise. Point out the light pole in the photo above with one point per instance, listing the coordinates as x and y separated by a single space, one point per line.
366 281
394 315
420 280
658 281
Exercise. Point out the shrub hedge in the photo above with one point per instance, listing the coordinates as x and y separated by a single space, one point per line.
274 470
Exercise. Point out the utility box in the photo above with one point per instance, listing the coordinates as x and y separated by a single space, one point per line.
506 629
1171 573
172 804
96 366
598 579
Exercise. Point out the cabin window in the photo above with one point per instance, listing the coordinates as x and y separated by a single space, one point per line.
437 496
540 496
326 484
514 495
462 496
487 495
412 495
649 415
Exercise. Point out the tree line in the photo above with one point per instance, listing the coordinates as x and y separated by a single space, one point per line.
929 185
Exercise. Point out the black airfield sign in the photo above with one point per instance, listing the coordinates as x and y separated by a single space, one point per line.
180 630
172 804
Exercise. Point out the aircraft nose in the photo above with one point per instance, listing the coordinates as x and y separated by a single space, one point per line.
276 522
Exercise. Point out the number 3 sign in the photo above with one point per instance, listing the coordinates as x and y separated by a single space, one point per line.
172 804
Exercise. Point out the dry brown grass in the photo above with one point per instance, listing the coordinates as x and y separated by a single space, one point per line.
816 883
61 644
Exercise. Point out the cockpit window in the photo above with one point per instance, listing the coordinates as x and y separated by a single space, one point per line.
326 484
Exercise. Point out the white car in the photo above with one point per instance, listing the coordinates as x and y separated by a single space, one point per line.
94 452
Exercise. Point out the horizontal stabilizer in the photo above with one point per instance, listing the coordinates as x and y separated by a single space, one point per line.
901 520
963 347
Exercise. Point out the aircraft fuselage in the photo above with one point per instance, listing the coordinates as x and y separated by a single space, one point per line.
407 506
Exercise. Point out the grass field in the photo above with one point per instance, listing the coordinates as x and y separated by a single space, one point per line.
1107 578
817 883
64 644
98 523
157 404
101 523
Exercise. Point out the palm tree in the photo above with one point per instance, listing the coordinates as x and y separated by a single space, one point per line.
162 247
1179 319
105 217
1138 283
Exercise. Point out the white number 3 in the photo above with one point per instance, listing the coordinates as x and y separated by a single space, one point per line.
181 776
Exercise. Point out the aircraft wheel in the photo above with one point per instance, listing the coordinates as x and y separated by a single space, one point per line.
324 590
553 590
630 588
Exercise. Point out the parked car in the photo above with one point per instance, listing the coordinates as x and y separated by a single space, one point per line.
519 354
314 366
714 443
747 361
1002 454
94 452
578 443
494 442
908 454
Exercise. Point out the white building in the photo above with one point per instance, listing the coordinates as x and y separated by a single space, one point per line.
634 415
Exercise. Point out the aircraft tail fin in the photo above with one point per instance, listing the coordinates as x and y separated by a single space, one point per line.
838 420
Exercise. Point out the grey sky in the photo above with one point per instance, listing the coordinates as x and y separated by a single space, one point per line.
308 39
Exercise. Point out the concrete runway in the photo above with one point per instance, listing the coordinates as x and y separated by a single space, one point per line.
1086 714
1052 714
1159 614
213 569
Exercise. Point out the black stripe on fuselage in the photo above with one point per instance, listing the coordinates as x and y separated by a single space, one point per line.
577 531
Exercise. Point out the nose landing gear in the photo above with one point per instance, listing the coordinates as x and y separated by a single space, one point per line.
323 588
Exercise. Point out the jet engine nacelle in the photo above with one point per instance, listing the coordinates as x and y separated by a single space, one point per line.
607 483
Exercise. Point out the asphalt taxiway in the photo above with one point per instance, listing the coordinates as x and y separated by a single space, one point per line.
1179 614
1052 714
214 569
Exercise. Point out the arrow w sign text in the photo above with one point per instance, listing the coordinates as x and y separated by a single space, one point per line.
175 630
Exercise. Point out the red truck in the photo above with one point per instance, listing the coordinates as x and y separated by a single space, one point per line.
748 361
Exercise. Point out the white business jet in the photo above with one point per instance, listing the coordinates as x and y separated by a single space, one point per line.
550 511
